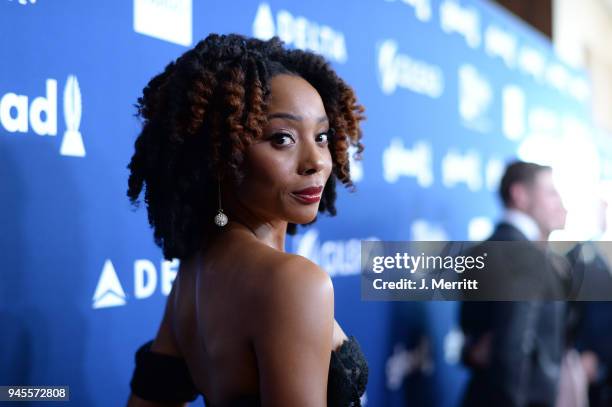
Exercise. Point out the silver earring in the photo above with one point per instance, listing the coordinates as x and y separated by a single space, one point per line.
220 217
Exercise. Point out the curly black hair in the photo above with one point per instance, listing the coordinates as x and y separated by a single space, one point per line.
201 113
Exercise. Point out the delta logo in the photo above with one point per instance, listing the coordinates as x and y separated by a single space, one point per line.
300 32
109 291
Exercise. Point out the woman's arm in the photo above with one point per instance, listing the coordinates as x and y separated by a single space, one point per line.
293 338
164 343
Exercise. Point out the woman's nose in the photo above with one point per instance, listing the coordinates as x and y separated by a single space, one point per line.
312 158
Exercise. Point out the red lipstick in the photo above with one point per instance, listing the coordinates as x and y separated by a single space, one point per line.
308 195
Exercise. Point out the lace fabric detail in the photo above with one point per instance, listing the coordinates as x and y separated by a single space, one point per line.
348 375
347 380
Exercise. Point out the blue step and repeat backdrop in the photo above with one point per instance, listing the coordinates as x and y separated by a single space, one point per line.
453 90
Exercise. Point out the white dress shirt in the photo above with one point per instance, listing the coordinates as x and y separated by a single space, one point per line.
523 222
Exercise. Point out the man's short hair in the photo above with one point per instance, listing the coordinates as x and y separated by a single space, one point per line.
518 172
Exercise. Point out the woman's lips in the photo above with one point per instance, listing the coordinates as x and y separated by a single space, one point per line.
308 195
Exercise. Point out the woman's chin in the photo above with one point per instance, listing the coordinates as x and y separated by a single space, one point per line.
304 218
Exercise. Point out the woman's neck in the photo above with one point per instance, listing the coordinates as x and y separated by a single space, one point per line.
271 233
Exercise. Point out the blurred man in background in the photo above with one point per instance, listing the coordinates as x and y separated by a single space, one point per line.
514 349
590 327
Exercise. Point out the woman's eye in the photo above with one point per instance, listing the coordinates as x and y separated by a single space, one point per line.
322 138
282 139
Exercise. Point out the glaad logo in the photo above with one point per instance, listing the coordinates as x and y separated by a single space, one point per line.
475 97
463 20
557 76
401 70
416 162
72 144
422 8
25 2
531 62
46 105
458 168
109 292
337 257
31 116
513 112
300 32
501 43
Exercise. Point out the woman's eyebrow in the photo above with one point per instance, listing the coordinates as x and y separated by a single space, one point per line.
290 116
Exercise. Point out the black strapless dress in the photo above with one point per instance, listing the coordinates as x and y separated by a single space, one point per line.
159 377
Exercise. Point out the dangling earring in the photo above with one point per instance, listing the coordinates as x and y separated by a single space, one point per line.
220 217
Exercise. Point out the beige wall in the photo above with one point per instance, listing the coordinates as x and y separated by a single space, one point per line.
582 35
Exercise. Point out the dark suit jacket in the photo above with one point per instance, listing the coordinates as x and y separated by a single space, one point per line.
591 280
527 339
593 326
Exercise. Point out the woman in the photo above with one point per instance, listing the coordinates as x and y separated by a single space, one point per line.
242 140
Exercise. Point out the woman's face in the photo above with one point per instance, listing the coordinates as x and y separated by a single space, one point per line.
286 171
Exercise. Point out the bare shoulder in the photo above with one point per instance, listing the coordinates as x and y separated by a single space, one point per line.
294 332
293 292
290 278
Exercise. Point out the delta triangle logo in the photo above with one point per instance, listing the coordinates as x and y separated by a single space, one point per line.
109 292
